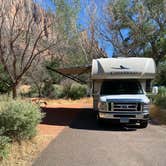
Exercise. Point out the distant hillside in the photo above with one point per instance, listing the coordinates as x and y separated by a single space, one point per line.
27 6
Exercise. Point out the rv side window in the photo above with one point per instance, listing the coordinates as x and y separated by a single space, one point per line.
114 87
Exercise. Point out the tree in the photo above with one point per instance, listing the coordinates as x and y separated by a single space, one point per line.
78 48
36 76
91 43
70 49
161 75
24 36
135 28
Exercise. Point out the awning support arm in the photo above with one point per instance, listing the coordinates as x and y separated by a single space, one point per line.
70 77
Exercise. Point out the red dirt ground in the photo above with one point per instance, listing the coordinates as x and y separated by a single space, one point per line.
59 115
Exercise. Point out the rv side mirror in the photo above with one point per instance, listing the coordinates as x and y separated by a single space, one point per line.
155 90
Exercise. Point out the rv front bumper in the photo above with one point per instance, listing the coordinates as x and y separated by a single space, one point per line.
128 116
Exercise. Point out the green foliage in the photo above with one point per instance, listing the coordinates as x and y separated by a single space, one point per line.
54 63
74 90
158 114
161 74
48 89
32 92
67 13
4 146
136 28
5 82
66 88
58 91
18 119
77 91
162 91
160 98
160 101
52 90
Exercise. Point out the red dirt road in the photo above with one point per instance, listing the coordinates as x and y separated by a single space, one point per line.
60 115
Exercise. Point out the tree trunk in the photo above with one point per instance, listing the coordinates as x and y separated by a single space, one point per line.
14 91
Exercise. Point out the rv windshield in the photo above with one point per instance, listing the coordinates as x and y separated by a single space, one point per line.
115 87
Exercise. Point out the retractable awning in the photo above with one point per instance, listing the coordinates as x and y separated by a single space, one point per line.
73 72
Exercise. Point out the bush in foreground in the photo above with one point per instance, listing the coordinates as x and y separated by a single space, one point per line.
4 146
160 98
160 101
157 114
18 119
161 76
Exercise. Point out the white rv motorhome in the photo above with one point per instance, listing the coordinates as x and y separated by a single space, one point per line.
119 89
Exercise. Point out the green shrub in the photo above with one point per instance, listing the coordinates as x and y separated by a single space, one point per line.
58 91
162 91
32 92
4 146
157 114
54 63
5 81
160 101
48 90
160 98
75 91
161 76
66 88
18 119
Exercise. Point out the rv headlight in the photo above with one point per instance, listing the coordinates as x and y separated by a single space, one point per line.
146 107
102 106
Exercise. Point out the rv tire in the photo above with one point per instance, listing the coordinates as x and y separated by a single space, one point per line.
144 123
100 121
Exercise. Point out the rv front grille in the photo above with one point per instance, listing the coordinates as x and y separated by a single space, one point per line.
124 106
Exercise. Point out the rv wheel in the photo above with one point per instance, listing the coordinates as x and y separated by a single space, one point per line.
144 123
100 121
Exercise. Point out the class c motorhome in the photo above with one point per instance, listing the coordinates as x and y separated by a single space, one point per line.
119 89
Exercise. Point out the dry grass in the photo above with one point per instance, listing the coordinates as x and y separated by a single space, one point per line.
84 101
69 101
24 154
158 115
24 89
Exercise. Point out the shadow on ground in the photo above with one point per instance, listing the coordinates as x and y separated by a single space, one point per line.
80 118
60 116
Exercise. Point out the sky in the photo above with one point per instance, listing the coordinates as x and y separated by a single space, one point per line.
46 4
83 18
